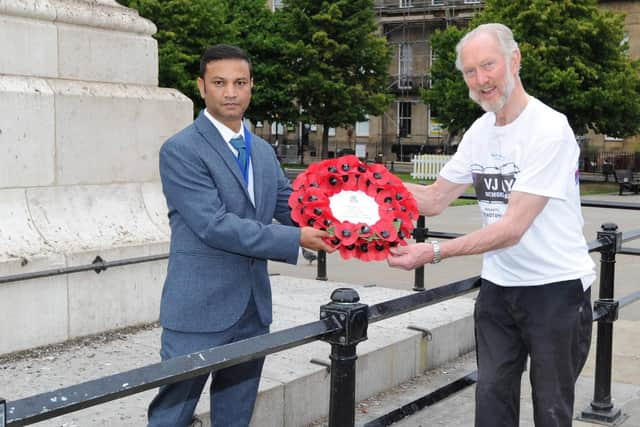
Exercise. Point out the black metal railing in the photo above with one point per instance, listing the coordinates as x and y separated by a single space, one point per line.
606 309
98 265
80 396
343 324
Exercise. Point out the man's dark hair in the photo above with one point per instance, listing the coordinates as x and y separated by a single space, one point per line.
223 51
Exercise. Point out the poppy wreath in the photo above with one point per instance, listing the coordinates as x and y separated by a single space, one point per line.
315 191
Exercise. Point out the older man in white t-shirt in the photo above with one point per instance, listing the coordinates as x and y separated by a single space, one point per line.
522 158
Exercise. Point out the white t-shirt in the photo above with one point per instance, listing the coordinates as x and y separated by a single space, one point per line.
537 154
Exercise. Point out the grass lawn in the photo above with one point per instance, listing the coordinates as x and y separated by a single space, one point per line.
589 188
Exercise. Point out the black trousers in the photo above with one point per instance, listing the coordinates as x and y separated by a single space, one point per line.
549 323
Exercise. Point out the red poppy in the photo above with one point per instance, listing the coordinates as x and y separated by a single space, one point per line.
348 251
346 232
400 212
386 230
331 182
348 165
300 182
350 182
384 198
397 208
375 250
377 174
365 232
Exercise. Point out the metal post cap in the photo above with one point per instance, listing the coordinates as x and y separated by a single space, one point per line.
609 226
345 296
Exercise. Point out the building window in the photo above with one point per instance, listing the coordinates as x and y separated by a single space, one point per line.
276 4
405 65
332 131
362 128
437 2
433 57
406 3
471 1
404 119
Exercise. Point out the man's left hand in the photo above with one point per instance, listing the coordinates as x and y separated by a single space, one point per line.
410 257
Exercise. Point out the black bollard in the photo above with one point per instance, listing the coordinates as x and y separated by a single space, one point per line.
3 412
420 235
322 266
601 408
345 310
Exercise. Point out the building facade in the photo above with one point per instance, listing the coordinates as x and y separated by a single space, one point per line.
631 8
408 127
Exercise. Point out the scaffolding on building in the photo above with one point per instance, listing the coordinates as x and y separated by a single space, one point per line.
407 25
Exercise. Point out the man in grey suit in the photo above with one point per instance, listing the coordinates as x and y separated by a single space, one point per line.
224 186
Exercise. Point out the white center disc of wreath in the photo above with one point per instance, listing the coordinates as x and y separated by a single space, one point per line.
355 207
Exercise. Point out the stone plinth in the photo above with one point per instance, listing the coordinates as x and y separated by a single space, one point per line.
81 123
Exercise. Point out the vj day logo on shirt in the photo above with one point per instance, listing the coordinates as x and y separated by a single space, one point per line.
494 184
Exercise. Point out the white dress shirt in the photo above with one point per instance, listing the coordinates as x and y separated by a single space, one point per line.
227 134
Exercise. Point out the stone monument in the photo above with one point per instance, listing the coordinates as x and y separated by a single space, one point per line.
81 122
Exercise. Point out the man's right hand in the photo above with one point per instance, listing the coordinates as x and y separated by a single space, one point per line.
314 239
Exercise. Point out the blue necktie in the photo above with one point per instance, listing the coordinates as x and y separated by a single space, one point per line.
238 143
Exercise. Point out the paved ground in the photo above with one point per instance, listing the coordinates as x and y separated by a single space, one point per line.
47 371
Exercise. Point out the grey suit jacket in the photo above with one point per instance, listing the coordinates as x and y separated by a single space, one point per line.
220 242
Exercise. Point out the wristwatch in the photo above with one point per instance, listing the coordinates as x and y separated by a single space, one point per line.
436 252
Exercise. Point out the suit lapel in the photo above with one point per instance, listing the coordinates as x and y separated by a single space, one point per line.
215 141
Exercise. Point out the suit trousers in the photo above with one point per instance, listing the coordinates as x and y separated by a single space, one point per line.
233 390
550 324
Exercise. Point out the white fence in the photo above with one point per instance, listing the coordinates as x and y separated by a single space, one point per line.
427 166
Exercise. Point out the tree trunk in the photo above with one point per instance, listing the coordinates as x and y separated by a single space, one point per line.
324 153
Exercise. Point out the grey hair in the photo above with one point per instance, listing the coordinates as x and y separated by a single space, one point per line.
501 32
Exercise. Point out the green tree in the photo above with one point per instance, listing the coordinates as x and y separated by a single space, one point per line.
339 62
187 27
448 96
574 58
255 29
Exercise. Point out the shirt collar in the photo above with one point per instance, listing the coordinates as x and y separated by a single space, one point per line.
226 133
